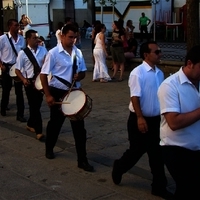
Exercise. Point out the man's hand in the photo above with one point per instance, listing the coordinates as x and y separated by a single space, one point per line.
142 125
26 82
3 68
50 101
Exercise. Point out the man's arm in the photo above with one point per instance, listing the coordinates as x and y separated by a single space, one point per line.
149 21
181 120
142 125
49 99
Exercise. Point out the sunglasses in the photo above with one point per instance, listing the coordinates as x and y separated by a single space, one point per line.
157 52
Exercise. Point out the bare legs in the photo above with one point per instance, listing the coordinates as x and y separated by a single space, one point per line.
116 67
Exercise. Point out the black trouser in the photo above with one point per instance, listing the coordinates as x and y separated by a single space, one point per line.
143 28
55 123
141 143
6 88
35 98
184 166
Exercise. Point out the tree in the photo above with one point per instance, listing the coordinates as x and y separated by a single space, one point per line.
192 23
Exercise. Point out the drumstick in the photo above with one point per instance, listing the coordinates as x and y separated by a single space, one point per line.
64 102
70 90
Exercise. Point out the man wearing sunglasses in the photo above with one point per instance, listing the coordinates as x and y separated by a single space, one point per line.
144 120
180 123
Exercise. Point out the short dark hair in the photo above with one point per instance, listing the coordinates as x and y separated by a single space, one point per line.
144 48
69 27
193 55
10 22
28 33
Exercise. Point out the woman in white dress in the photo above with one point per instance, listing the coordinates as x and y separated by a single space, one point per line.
100 69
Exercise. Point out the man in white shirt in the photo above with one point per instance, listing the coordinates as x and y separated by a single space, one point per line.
179 98
8 57
144 120
27 72
59 62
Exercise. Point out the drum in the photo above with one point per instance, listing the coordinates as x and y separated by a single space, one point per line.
78 105
38 84
13 74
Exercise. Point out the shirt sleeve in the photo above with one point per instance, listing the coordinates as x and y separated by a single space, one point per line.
20 61
49 62
135 85
168 98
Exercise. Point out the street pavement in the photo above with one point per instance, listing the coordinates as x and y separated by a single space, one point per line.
25 173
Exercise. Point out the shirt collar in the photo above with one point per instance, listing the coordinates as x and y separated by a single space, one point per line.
60 48
148 67
182 77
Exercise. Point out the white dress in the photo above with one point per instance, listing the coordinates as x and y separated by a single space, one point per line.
100 68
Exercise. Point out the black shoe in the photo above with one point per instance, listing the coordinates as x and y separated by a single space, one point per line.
50 155
21 119
165 194
3 113
116 174
86 166
7 108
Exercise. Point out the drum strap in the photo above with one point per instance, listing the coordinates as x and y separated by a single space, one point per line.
33 60
65 82
12 45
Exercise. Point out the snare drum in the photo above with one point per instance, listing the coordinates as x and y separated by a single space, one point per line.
38 84
13 74
80 105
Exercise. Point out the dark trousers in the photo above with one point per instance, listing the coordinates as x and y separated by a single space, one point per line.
6 88
35 98
55 123
143 29
141 143
184 166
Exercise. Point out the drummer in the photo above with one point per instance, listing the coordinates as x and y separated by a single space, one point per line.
27 72
60 61
8 55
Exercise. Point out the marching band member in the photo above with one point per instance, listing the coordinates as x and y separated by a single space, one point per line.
28 65
61 61
10 44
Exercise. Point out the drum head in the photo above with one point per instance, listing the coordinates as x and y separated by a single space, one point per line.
76 101
12 71
38 84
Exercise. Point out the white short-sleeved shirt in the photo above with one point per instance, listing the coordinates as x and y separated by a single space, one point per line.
25 65
59 63
7 54
178 94
144 83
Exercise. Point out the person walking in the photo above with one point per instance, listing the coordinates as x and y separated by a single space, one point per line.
100 71
61 62
10 44
117 50
27 69
143 23
179 132
144 120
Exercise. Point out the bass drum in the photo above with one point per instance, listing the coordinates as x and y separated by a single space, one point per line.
78 105
13 74
38 84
